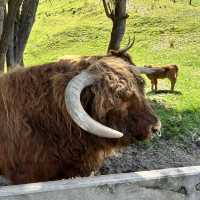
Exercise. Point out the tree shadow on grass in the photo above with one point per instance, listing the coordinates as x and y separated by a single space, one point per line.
164 92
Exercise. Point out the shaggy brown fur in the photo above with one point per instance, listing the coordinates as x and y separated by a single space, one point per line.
167 71
38 139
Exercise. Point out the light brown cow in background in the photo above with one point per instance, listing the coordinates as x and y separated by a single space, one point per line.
166 71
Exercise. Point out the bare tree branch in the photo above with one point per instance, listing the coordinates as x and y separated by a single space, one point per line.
107 9
110 9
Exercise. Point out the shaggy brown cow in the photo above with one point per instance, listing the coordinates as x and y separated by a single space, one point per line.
167 71
60 120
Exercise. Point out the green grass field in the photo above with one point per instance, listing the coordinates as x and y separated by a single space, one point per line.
81 28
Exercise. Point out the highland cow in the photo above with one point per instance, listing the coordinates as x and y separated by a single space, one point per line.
62 119
167 71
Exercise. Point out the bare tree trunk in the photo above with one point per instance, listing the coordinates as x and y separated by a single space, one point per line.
2 6
10 56
2 20
119 25
27 19
190 2
22 28
118 16
13 7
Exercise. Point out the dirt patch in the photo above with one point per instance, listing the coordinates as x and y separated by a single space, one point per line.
158 154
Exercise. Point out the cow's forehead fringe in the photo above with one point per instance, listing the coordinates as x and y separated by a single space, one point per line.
116 75
112 65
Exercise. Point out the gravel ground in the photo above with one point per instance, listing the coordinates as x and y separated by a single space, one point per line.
158 154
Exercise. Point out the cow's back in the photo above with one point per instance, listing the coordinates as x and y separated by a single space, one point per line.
33 124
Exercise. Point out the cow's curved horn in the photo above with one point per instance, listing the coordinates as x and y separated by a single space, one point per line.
143 70
76 111
128 46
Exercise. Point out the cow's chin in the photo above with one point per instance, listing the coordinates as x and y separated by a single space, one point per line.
143 137
136 133
129 139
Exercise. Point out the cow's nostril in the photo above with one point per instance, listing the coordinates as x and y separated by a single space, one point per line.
154 130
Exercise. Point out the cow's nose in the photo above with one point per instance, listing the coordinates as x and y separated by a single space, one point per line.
156 128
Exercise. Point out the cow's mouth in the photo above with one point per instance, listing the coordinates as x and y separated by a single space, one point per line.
150 132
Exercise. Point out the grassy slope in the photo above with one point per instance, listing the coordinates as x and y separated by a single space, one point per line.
81 28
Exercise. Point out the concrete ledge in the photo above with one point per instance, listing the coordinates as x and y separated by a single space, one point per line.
167 184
